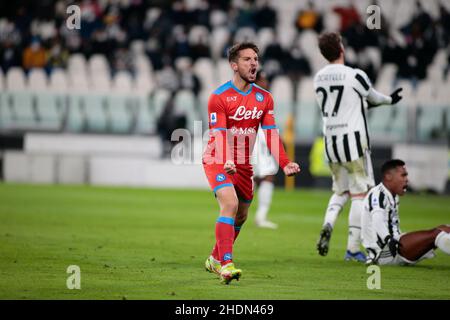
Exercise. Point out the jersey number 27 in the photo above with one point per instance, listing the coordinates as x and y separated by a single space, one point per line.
340 90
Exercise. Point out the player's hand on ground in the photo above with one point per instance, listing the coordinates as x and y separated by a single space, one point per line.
229 167
396 96
291 169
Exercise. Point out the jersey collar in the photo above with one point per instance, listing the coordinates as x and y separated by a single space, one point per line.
391 198
242 92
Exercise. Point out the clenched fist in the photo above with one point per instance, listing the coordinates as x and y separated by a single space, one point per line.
229 167
291 169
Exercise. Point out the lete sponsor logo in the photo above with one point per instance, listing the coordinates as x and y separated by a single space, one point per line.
243 114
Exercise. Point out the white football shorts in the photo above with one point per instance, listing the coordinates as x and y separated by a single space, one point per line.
355 176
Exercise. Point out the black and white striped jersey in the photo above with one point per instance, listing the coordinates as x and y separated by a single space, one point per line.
380 218
340 93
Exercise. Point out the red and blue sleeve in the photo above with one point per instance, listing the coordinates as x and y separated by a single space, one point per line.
218 127
274 143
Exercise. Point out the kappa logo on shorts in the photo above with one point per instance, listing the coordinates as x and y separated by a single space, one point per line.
259 97
220 177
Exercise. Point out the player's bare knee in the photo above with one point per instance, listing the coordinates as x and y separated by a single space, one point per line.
230 206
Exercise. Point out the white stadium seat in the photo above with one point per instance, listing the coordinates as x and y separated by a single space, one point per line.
37 80
15 79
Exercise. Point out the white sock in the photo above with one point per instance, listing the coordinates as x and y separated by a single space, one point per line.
335 206
442 241
265 192
354 225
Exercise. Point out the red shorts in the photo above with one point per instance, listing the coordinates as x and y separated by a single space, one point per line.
241 180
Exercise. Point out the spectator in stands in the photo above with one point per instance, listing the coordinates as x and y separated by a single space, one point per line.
122 60
297 65
245 15
9 55
275 58
167 123
189 80
58 56
349 16
167 78
443 24
34 56
179 44
309 18
200 49
202 13
154 52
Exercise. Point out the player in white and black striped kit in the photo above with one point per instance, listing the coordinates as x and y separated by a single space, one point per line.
342 93
382 238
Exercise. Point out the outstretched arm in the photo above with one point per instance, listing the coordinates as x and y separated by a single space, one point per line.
376 98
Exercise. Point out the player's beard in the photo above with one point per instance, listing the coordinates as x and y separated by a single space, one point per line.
246 77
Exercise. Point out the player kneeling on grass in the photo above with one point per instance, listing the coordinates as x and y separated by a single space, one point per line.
384 242
236 110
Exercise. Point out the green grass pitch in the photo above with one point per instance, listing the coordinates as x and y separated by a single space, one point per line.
152 244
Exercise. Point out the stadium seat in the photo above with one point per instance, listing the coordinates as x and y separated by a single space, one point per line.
2 80
143 84
245 34
391 122
77 64
224 71
185 103
121 104
265 37
218 18
122 83
377 122
75 117
282 92
331 21
386 77
182 63
100 83
374 54
198 34
308 43
137 47
286 37
2 102
98 64
308 123
18 110
58 81
121 111
48 104
430 122
145 119
158 101
15 79
143 65
37 80
204 69
96 112
219 38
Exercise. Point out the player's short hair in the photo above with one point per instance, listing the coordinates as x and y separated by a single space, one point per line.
233 52
330 45
391 164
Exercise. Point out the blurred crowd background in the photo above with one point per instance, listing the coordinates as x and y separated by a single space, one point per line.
143 67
